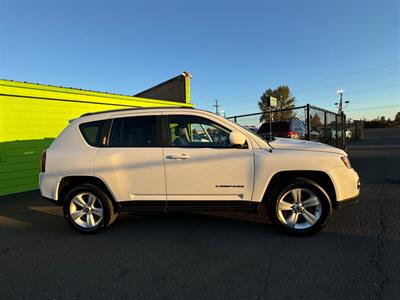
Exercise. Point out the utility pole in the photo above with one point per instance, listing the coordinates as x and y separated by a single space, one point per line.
216 106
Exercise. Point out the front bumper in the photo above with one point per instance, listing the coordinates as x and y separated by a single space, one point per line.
351 200
348 201
347 185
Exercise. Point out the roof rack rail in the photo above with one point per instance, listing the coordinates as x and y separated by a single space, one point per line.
133 108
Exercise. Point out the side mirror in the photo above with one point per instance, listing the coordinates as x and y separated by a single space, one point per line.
236 138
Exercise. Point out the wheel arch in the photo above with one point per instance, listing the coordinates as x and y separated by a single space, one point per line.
67 183
320 177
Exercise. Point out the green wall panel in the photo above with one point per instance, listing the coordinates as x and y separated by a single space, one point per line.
32 115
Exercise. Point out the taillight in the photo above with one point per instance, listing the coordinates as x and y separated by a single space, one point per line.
292 134
43 162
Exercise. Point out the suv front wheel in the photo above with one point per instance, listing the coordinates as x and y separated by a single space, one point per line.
88 209
302 207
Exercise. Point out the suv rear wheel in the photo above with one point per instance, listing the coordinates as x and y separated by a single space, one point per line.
302 207
88 209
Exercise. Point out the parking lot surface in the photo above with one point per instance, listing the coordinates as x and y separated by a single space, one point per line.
203 256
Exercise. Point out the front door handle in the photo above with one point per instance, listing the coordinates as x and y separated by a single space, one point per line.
178 156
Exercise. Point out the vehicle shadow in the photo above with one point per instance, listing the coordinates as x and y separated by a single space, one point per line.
30 210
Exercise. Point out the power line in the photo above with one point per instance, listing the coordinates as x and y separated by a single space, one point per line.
325 97
321 98
338 83
328 78
376 76
348 74
374 107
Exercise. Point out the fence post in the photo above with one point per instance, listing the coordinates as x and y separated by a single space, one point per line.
336 130
343 130
308 122
325 129
234 118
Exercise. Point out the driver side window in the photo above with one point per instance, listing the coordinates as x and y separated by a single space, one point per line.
192 131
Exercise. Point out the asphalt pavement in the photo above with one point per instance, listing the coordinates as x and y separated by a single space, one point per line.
201 256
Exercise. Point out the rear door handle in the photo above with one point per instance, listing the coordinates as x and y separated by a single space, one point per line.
178 156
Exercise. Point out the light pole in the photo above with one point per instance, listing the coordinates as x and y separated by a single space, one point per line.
340 110
340 103
342 117
340 92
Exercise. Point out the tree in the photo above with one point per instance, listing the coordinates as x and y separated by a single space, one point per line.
285 100
315 121
397 117
381 122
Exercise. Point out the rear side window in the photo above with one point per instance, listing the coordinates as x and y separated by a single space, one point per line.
93 132
134 132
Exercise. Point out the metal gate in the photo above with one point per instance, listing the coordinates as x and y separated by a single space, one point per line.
314 123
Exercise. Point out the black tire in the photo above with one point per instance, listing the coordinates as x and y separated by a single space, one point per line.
282 191
104 203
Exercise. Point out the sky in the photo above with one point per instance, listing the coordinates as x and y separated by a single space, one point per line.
235 50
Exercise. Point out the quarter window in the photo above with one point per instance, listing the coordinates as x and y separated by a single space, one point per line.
134 132
93 132
192 131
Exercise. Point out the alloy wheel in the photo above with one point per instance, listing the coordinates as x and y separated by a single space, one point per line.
86 210
299 208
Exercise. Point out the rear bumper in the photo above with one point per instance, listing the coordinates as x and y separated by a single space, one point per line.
50 200
48 186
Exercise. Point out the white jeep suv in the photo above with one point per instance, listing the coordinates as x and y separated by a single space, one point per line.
168 159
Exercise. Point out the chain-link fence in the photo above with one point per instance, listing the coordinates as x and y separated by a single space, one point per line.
355 130
304 122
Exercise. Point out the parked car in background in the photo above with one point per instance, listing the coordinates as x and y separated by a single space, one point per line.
252 129
348 134
293 129
169 159
316 134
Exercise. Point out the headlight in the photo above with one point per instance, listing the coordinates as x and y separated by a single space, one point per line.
346 161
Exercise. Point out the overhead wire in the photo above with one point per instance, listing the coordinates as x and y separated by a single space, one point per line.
386 74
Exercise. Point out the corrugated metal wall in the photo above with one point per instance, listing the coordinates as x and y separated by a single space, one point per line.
32 115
